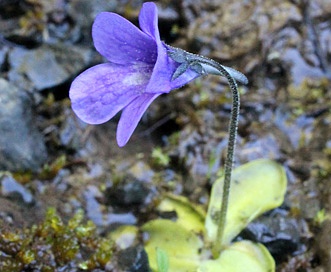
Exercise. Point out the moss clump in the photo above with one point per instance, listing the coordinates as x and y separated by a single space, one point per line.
55 246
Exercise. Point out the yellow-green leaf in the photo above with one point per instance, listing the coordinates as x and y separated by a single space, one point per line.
243 256
256 187
189 215
181 245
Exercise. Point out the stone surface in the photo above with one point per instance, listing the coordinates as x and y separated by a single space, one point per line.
254 31
22 146
46 66
10 188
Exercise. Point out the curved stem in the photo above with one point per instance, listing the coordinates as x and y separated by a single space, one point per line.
203 65
233 127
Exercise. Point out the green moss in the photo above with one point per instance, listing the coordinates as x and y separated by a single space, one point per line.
160 158
53 245
309 96
49 171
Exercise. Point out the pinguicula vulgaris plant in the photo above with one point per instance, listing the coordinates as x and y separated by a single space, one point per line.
140 68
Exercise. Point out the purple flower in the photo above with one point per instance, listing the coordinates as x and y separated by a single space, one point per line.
138 71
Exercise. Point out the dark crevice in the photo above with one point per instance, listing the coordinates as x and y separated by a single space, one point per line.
313 36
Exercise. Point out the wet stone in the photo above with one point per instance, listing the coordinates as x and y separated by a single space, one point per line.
3 52
72 131
121 219
93 208
141 171
258 32
215 29
83 12
300 68
10 188
281 235
47 66
127 192
261 147
22 146
133 259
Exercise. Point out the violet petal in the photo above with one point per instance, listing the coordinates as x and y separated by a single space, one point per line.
165 67
148 20
131 116
119 41
161 79
103 90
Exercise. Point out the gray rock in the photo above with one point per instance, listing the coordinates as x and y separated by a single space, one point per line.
22 146
12 189
3 52
47 66
85 11
72 131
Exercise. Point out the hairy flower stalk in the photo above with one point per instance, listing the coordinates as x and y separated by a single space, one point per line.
203 65
140 68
